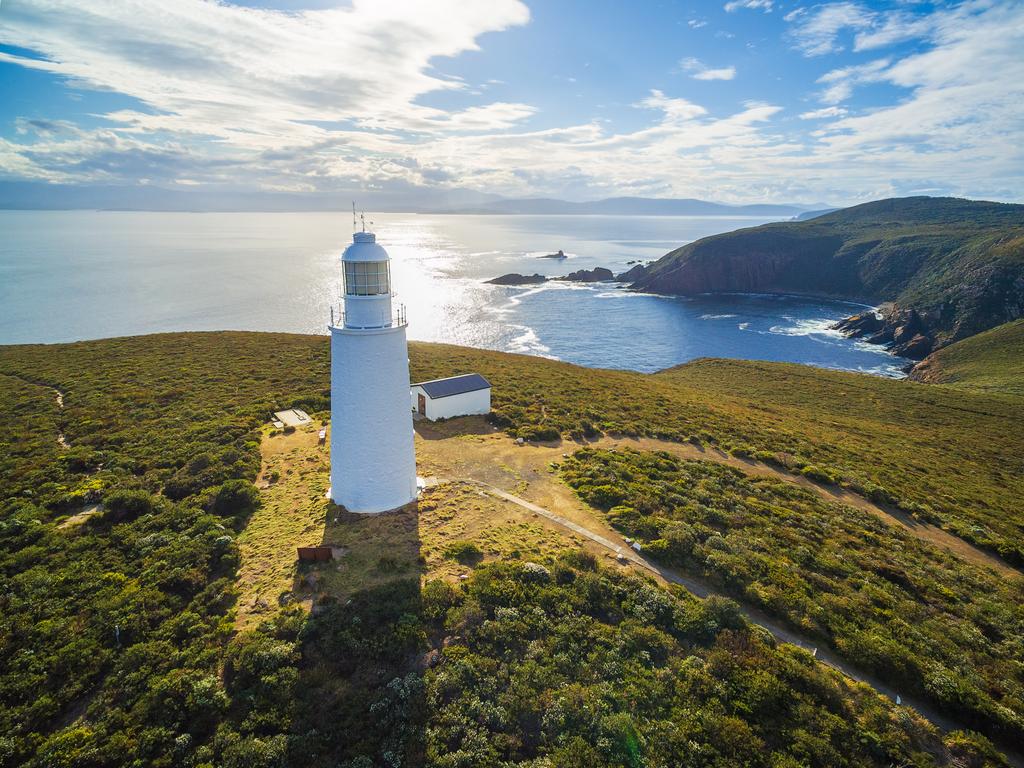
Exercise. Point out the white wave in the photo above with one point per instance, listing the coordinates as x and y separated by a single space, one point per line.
528 343
743 326
819 327
716 317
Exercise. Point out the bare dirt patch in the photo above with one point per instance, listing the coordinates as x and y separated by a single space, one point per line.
89 510
526 470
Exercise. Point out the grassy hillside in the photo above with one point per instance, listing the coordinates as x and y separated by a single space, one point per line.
117 641
959 263
893 605
992 361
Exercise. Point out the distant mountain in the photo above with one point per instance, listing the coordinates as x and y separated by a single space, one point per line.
627 206
951 267
22 195
808 215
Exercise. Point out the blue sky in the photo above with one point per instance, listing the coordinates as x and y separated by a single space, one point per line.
737 101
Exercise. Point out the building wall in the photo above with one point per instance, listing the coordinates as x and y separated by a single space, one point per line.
466 404
373 461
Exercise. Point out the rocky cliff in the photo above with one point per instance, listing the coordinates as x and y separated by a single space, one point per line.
950 268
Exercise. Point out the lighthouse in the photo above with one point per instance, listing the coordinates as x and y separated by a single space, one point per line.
373 461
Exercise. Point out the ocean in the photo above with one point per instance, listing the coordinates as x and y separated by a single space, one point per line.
71 275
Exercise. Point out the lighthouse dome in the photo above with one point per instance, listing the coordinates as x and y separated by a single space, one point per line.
364 247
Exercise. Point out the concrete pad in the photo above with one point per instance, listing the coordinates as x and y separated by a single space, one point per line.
293 417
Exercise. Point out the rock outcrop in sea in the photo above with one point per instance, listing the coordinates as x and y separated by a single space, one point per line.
514 278
902 331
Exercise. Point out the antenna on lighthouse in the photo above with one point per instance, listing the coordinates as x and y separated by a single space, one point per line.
354 227
362 219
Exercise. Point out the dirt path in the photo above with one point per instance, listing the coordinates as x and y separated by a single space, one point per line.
61 439
58 396
782 633
492 457
887 514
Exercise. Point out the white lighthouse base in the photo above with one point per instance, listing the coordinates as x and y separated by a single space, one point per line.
373 460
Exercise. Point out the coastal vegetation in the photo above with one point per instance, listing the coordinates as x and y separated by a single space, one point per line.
118 638
917 616
992 361
947 456
958 264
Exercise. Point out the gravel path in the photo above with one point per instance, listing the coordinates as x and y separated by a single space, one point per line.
782 633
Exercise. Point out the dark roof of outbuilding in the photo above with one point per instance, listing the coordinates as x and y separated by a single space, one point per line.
453 385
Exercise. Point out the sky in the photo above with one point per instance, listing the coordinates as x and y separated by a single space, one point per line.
432 101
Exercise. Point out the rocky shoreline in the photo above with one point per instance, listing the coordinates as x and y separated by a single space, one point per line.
901 331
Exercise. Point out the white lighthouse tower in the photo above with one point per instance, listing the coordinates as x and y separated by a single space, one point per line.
373 461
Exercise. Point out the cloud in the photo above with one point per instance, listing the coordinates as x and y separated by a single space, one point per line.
964 108
700 71
696 23
315 102
816 32
840 82
241 73
819 114
735 5
893 28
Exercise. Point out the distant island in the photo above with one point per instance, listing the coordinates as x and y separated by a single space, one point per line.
595 275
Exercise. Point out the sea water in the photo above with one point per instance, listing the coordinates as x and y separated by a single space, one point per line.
70 275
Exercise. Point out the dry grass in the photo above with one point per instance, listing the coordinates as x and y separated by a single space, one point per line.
292 514
373 549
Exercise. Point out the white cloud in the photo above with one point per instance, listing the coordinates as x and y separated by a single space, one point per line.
315 101
893 28
235 72
840 82
816 32
735 5
700 71
696 23
824 112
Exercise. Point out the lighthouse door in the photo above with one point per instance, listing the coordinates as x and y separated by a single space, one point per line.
421 404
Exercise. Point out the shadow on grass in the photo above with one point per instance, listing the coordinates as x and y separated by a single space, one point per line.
342 684
456 427
360 694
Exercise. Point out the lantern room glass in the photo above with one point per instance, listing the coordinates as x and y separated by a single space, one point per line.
367 278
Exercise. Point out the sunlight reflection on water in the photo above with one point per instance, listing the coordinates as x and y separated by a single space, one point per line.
120 273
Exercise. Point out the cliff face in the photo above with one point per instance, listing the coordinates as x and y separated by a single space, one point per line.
956 265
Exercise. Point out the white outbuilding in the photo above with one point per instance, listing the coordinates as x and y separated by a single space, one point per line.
465 395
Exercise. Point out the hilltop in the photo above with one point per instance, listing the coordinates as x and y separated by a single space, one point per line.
150 628
950 268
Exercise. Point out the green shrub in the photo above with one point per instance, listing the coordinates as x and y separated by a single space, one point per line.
464 552
124 505
236 498
538 433
818 475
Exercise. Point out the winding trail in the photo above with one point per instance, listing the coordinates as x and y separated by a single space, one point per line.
492 463
61 439
701 588
58 396
888 514
525 463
